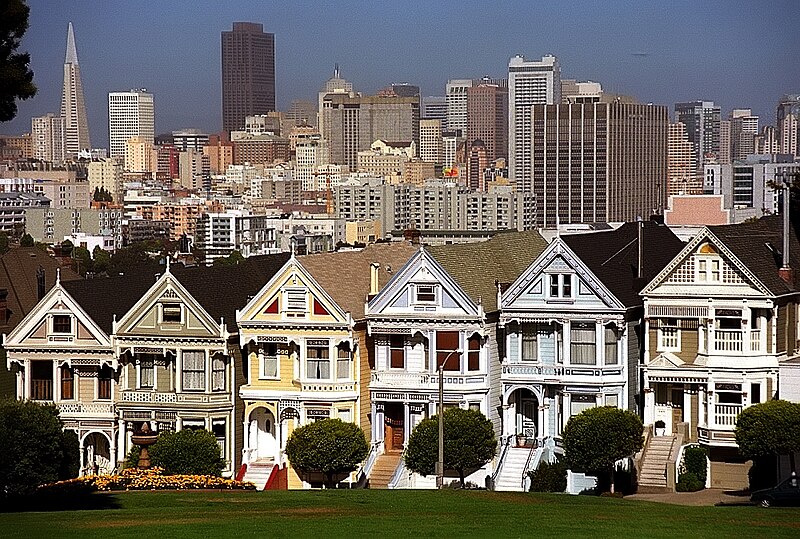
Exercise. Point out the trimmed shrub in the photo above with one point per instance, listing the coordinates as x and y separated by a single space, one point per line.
329 446
688 482
695 461
187 451
549 477
134 479
35 448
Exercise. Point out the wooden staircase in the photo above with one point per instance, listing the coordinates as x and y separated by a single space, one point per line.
384 468
653 477
258 472
510 478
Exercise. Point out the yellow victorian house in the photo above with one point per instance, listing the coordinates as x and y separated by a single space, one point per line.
302 349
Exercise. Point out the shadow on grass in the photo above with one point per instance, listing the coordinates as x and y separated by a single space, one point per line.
60 502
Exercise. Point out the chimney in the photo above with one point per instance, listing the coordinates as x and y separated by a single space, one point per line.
40 287
640 243
786 272
373 278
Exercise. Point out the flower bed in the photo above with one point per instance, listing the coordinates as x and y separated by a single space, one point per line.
150 479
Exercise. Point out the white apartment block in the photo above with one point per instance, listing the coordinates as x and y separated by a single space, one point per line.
130 114
48 138
106 174
529 83
430 141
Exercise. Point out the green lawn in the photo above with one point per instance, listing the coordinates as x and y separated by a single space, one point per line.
447 513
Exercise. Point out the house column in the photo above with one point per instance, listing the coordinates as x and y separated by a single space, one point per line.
120 441
649 404
406 422
246 444
545 426
687 404
83 463
566 411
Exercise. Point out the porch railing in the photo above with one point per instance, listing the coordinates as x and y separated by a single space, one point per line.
541 370
725 414
42 390
735 340
505 443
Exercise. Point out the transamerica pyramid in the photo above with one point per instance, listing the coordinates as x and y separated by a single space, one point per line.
73 108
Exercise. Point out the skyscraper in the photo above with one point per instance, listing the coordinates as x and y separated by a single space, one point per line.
788 124
73 108
47 135
682 177
702 121
529 83
487 118
334 85
598 162
744 128
130 114
248 74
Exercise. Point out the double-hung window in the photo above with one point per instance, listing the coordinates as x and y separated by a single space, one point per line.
67 383
446 350
194 370
560 286
146 372
397 352
530 348
611 355
218 373
269 360
318 363
343 361
582 343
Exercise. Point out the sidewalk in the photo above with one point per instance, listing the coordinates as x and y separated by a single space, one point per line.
710 496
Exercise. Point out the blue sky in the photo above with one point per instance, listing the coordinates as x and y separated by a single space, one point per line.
739 54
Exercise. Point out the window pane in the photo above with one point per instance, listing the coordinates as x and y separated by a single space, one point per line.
611 346
529 342
146 372
567 290
343 364
397 352
62 323
67 383
582 347
194 370
104 383
446 344
474 354
218 373
171 312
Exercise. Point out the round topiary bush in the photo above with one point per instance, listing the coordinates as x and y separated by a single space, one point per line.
330 446
189 452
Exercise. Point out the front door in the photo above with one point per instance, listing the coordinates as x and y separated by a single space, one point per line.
676 398
394 426
529 411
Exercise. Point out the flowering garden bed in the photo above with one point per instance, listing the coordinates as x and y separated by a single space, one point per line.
136 479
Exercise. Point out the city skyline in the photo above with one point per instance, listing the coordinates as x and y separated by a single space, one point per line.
176 55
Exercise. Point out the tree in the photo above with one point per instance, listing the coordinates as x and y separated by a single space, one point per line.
331 447
35 448
26 241
101 195
101 259
16 81
83 259
231 260
186 452
598 437
764 432
469 443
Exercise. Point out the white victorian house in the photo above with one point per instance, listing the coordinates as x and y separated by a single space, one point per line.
719 320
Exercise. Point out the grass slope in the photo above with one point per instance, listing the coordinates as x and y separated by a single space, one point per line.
394 514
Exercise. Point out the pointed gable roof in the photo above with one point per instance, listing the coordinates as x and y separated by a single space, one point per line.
219 289
476 266
613 256
345 275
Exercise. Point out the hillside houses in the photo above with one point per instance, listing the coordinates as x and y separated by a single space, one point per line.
527 332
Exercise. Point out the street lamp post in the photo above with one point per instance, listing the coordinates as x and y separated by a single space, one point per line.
440 462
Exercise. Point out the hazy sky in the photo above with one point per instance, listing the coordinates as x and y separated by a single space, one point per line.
737 53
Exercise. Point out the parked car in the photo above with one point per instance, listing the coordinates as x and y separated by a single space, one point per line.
784 493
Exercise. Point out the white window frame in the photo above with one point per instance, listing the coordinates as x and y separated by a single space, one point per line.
215 359
293 303
670 340
708 268
203 371
263 356
429 289
317 344
171 304
348 360
71 324
139 370
560 282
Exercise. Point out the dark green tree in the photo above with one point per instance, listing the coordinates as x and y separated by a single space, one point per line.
231 260
26 241
764 432
83 259
598 437
331 447
101 259
469 443
16 78
101 195
35 448
187 452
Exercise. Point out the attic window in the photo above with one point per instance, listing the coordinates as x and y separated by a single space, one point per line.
296 302
62 323
171 313
426 293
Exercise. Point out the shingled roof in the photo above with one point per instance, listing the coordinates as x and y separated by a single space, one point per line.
758 246
613 255
219 289
345 275
476 266
18 269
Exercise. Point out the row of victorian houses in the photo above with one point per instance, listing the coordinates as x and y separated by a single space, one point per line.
529 333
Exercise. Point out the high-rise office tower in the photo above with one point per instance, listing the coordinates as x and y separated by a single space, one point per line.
702 120
477 162
434 107
598 162
352 123
767 141
487 118
334 85
529 83
456 98
725 144
430 141
130 114
248 74
682 177
47 137
744 128
73 107
788 124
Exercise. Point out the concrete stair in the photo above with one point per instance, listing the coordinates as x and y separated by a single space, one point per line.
258 472
383 469
510 478
653 476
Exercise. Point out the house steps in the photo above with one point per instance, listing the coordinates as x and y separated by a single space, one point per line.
258 472
653 475
383 469
510 477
